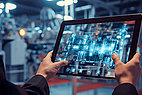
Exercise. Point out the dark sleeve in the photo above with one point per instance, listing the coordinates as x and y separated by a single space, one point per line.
37 85
8 88
125 89
2 71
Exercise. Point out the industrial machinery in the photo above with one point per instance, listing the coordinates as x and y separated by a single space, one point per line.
13 50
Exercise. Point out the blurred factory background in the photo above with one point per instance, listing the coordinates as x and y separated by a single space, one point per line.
28 31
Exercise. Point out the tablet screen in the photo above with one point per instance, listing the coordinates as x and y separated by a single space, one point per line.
88 47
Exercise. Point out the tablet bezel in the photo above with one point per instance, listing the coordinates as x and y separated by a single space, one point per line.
136 17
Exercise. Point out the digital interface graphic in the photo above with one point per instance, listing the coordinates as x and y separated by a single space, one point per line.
88 47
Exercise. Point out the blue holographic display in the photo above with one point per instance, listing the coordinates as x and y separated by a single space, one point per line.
88 47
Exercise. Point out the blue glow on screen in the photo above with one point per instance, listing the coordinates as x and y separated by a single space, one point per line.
88 48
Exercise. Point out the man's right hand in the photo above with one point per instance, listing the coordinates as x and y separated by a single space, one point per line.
129 72
48 69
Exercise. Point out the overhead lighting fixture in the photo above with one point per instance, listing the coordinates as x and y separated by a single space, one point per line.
10 6
49 0
1 11
75 1
60 3
66 2
1 5
7 6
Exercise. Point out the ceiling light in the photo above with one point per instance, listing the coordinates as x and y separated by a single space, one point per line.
1 5
66 2
0 11
10 6
49 0
75 1
61 3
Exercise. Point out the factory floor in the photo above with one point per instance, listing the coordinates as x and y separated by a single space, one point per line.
63 86
66 89
60 86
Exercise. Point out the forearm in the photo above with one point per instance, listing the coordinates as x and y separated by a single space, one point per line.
125 89
37 85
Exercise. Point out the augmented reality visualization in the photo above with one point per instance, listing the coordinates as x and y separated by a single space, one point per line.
88 47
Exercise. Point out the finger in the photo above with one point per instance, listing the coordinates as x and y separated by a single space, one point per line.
136 58
61 63
48 56
116 58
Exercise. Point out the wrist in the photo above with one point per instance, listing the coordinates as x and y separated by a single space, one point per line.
127 81
44 75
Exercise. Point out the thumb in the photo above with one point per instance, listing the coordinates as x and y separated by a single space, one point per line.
61 63
48 56
136 58
115 58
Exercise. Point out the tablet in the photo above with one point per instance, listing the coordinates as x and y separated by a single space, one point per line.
88 44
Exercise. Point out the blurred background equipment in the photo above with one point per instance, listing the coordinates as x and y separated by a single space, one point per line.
28 31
